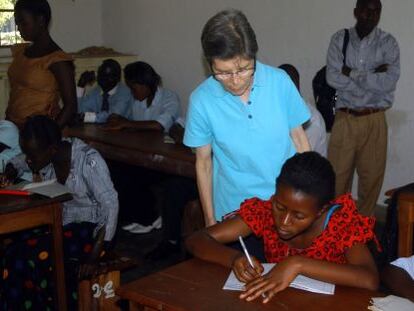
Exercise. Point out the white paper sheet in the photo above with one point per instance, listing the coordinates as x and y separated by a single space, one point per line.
300 282
406 263
34 185
391 303
50 188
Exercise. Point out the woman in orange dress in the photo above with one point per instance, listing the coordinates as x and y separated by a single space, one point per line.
41 73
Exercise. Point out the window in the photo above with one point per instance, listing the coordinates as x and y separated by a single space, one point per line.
8 30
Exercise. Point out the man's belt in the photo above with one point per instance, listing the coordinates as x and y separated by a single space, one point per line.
361 112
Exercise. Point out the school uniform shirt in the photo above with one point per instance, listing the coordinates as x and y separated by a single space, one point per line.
315 131
250 141
165 109
346 227
120 99
95 199
364 88
406 263
9 136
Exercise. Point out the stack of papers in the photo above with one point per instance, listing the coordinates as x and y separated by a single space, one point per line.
391 303
300 282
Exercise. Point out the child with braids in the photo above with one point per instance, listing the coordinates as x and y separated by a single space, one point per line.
304 230
89 219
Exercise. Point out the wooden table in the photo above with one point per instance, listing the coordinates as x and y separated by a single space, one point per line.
405 221
142 148
197 285
20 213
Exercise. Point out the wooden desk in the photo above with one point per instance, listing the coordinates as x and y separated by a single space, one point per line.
197 285
20 213
405 221
405 224
146 149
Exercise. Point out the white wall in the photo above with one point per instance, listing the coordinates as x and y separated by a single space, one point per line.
166 33
76 24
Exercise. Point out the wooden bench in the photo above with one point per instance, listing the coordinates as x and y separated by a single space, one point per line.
97 292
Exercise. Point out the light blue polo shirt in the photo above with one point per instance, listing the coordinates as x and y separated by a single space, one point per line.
250 142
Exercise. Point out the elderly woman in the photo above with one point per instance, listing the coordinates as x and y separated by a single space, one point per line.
245 120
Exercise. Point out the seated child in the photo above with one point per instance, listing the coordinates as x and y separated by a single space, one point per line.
110 96
154 108
89 219
399 277
303 229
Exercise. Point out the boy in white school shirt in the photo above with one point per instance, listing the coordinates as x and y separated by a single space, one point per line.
110 96
154 109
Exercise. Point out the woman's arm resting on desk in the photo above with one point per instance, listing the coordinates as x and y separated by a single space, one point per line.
204 182
398 281
360 271
300 139
208 244
65 77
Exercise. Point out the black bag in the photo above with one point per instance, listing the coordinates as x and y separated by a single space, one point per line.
325 95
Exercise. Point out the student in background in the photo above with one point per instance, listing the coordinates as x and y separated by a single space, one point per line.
177 192
89 219
399 277
304 230
155 108
41 73
315 128
110 96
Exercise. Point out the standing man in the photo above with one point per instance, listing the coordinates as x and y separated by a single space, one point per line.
365 84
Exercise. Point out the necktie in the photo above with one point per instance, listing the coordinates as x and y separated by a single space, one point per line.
105 101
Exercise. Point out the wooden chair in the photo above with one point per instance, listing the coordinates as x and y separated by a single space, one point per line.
405 222
97 293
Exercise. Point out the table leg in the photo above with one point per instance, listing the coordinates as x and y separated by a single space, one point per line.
58 256
405 230
133 306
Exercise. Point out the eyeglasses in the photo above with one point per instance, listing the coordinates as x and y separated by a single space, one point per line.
242 73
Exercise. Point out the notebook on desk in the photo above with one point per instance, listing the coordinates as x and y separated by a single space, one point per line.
49 188
300 282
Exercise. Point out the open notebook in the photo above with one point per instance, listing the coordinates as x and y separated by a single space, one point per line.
49 188
301 282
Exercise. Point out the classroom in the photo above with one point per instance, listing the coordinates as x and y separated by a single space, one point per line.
206 155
